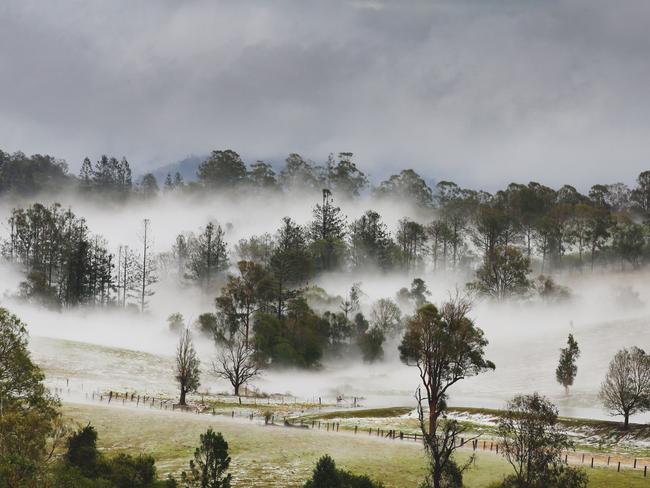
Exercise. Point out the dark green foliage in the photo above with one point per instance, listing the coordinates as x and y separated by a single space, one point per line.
327 475
416 295
207 324
29 175
290 265
408 185
326 232
370 343
107 177
299 339
411 239
299 174
504 273
567 369
533 444
84 463
223 169
126 471
82 451
370 242
207 256
344 177
149 186
629 242
29 414
210 464
262 176
64 263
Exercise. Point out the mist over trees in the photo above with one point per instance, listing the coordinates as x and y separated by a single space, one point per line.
512 244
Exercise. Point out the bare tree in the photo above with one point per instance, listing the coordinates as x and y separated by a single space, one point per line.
146 267
187 366
236 362
387 316
626 389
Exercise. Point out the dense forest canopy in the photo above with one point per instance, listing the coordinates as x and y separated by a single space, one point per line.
509 244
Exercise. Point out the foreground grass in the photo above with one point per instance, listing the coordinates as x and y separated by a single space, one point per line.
284 457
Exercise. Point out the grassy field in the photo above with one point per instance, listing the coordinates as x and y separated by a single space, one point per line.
284 457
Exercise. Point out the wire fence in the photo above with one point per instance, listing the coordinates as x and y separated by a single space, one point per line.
586 459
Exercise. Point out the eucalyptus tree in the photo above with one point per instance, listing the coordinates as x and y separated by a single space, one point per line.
446 346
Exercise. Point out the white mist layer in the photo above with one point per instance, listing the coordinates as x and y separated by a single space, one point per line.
137 349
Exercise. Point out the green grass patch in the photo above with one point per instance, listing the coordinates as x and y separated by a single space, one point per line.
284 457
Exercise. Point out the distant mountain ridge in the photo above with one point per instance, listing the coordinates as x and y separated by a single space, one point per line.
186 167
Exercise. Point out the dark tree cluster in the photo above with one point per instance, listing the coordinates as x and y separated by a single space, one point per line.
108 176
64 263
28 175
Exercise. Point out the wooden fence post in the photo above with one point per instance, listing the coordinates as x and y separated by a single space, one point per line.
608 457
619 467
592 462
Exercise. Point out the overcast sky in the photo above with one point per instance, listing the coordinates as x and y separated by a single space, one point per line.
480 91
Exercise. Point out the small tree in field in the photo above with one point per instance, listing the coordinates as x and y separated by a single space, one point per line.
532 442
567 369
446 347
210 463
187 366
236 361
626 389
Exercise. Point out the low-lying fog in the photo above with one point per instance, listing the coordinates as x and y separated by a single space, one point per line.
608 311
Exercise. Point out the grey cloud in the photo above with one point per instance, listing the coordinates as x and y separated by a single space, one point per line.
483 92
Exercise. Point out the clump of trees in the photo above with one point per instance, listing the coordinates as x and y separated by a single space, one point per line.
30 425
64 263
626 388
36 446
502 237
553 228
84 465
327 475
532 443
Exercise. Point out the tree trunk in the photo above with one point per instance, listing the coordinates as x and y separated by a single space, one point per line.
236 389
182 400
433 414
626 423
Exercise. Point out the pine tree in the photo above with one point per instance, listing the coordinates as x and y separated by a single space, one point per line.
208 255
567 369
327 231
